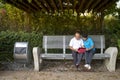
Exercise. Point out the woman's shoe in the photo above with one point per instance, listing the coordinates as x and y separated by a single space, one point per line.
87 66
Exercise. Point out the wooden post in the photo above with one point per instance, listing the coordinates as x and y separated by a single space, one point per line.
27 21
78 16
102 22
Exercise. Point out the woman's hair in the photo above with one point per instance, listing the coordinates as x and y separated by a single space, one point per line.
85 35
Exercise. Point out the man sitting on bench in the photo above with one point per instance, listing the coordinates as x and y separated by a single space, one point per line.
74 45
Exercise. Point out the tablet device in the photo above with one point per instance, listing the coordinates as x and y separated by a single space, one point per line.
81 50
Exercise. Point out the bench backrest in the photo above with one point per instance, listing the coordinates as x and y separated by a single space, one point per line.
62 42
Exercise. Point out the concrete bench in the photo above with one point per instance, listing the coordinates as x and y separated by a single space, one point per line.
62 42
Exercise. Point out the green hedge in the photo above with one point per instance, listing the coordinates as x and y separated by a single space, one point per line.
118 48
8 39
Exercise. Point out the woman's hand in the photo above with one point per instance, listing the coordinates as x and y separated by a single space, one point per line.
87 49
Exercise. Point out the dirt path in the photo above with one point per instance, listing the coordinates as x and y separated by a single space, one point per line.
59 71
30 75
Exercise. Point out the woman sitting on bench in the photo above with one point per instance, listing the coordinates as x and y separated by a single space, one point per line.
90 50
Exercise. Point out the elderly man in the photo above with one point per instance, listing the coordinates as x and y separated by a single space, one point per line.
75 43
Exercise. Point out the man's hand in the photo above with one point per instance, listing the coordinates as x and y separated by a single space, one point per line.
76 50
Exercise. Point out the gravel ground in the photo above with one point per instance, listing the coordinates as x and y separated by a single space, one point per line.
30 75
57 70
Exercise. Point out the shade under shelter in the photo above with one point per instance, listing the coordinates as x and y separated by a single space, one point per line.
51 6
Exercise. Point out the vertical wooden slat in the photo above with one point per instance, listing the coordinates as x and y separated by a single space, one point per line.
22 7
54 5
29 7
34 5
75 2
106 6
49 7
100 5
27 19
61 6
68 6
41 5
81 5
94 5
89 4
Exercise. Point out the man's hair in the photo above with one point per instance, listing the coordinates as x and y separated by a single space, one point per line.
77 32
84 35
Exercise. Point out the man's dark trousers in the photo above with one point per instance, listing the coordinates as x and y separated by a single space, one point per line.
77 57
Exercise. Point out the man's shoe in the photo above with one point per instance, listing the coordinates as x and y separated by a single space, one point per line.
77 66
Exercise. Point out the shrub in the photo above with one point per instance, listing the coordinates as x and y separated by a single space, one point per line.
8 39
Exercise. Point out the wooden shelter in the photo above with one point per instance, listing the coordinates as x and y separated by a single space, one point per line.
51 6
61 6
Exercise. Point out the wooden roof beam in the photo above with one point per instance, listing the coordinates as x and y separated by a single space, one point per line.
20 5
106 6
68 5
48 5
87 4
81 5
54 5
23 3
75 2
94 5
84 7
101 5
33 3
61 6
30 4
42 6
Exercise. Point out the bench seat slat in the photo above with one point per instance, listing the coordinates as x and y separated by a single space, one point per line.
69 56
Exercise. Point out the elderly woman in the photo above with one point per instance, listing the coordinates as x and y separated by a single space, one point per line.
90 50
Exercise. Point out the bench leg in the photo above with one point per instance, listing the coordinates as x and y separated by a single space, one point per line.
36 57
111 62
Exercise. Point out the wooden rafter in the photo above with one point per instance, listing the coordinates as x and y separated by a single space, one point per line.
34 5
94 5
29 7
41 5
61 6
30 4
89 4
101 5
48 5
86 5
68 5
54 5
106 6
18 5
75 2
81 5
